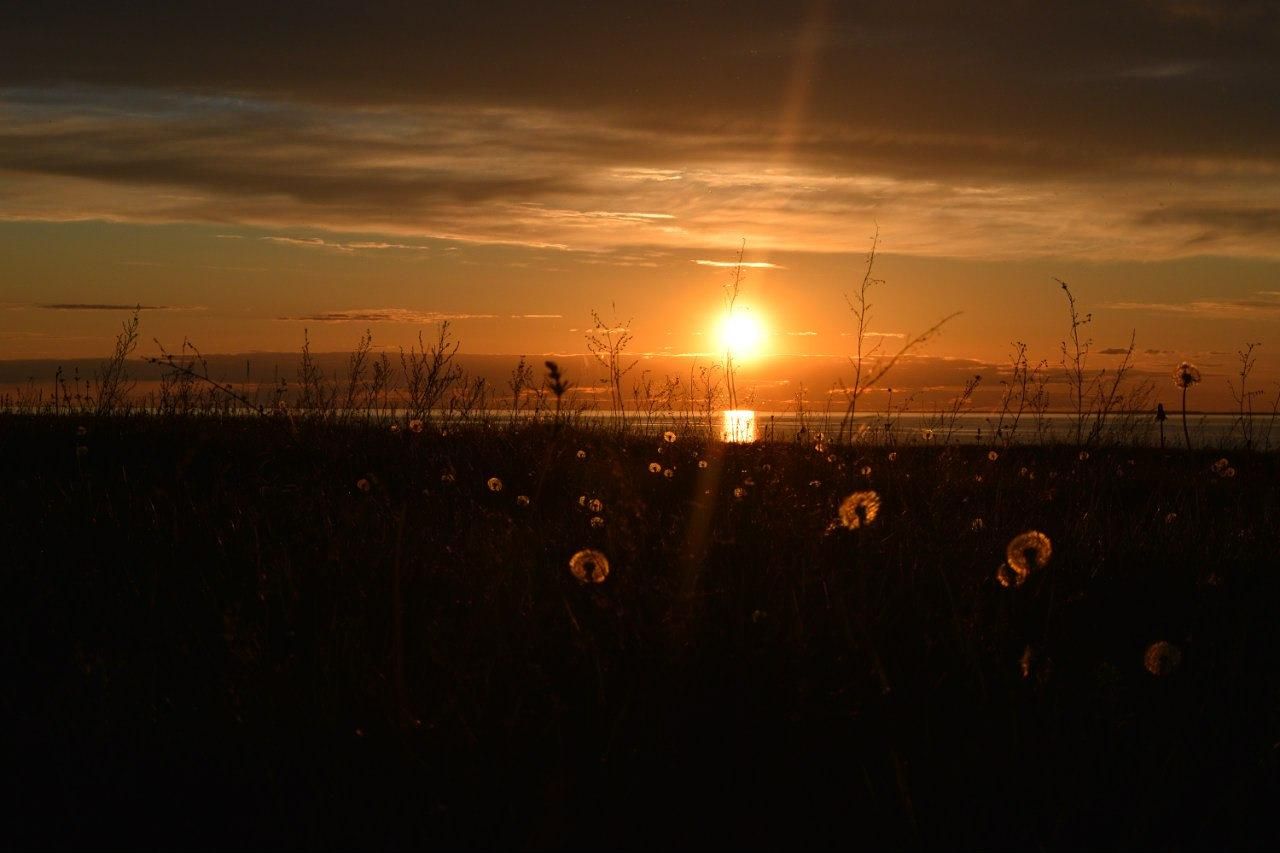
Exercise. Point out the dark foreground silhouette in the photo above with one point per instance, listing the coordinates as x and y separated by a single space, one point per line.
239 634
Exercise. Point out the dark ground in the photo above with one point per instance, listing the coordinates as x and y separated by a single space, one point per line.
203 647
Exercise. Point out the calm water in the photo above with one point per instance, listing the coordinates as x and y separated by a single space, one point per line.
973 428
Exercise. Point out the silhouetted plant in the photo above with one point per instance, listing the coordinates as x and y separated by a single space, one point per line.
112 379
607 343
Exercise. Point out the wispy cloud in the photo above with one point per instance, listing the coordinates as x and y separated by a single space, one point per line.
1261 305
754 265
383 315
113 306
356 246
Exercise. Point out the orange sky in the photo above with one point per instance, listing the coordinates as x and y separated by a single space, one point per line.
511 173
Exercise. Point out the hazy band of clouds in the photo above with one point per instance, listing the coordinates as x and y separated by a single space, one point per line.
560 179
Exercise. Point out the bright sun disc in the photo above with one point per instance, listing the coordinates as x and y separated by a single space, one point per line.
741 334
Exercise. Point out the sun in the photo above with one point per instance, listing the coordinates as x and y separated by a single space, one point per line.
742 334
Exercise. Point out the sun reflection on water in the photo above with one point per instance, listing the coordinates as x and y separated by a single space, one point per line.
739 426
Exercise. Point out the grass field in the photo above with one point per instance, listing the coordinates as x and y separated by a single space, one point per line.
225 633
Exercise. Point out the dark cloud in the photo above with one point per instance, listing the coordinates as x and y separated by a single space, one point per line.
1152 77
1242 220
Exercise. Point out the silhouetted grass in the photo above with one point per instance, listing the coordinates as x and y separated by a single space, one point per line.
218 638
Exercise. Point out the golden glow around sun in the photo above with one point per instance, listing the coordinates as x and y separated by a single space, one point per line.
742 334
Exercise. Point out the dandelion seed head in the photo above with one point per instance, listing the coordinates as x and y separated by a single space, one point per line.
597 522
581 454
589 566
1186 375
669 437
1007 577
993 456
739 492
1162 658
416 425
494 484
702 463
1027 552
1022 472
926 434
655 468
859 509
1221 465
363 484
893 456
522 500
395 428
1083 456
595 505
668 473
866 470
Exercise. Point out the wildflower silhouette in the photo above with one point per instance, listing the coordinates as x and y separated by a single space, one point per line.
522 500
596 505
1184 377
415 426
363 485
589 566
597 522
494 484
859 509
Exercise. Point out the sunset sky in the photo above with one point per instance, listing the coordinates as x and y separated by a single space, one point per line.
245 171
